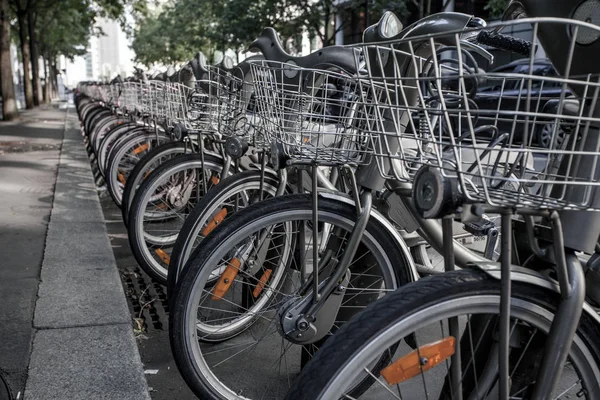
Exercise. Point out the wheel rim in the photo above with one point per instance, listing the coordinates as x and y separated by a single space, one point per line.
423 321
197 351
156 248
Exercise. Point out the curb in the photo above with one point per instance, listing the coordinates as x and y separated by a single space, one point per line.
83 347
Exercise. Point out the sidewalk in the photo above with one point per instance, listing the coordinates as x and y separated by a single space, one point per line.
65 329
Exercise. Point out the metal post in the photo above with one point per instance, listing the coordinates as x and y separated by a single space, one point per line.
505 293
453 327
315 227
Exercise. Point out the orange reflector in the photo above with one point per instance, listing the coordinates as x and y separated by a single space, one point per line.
226 279
215 221
215 180
163 256
121 178
140 148
147 173
162 206
261 283
420 360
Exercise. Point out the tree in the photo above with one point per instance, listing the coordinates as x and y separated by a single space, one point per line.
496 7
20 10
186 26
9 104
64 31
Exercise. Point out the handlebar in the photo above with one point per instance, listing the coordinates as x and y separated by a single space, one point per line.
505 42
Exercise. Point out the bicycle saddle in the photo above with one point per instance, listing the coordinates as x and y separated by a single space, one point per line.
117 79
198 64
226 63
171 74
158 76
389 28
269 45
186 75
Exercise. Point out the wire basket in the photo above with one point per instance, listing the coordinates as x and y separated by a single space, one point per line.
512 138
129 94
158 102
235 113
115 91
316 115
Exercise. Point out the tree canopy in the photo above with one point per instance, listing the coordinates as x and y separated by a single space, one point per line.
183 27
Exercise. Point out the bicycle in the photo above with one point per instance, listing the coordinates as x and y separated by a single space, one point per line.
492 330
252 275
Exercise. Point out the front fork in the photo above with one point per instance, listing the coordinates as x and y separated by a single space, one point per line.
571 282
310 318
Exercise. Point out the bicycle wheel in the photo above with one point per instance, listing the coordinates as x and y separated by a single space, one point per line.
123 158
144 167
420 311
227 344
220 203
113 138
161 205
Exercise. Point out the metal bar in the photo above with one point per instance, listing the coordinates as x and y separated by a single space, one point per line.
263 167
453 326
505 293
351 247
315 227
301 233
566 318
324 182
282 174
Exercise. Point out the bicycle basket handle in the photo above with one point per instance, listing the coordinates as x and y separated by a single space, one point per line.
505 42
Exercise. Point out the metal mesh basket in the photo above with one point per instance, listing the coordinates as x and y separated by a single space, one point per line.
235 113
129 94
157 100
115 91
519 138
317 115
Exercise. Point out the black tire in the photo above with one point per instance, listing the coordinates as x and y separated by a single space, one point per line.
115 159
142 168
191 223
113 139
135 236
365 326
297 203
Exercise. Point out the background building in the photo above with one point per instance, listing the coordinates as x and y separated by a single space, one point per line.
107 56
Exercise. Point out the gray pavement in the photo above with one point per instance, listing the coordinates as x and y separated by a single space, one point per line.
73 338
29 154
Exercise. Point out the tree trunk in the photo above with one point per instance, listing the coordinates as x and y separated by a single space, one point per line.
9 104
35 60
48 82
26 60
54 78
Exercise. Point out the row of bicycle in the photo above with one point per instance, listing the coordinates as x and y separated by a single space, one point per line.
292 206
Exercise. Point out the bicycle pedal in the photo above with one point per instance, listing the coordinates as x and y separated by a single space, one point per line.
479 228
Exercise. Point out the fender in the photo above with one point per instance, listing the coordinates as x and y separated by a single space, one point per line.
337 196
524 275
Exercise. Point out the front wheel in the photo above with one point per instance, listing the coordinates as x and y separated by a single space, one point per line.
225 338
420 313
161 204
